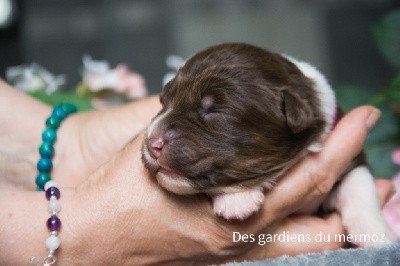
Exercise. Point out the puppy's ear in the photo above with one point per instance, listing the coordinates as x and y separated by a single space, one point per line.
298 112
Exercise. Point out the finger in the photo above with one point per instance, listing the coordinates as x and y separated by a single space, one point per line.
385 189
348 138
300 234
315 175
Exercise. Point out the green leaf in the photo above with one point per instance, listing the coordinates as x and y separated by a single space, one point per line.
383 138
82 103
387 37
393 91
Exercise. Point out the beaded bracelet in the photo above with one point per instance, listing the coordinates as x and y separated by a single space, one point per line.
44 165
53 223
49 136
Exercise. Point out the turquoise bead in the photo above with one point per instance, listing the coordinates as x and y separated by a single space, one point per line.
49 135
46 150
53 122
44 165
68 108
59 113
42 178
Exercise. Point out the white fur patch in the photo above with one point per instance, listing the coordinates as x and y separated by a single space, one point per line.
174 183
357 202
155 122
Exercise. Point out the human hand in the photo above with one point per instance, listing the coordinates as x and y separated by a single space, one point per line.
87 140
313 226
132 220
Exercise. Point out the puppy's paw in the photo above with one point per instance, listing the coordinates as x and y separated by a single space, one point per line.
238 205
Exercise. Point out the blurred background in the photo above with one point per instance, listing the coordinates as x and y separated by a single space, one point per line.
334 35
337 36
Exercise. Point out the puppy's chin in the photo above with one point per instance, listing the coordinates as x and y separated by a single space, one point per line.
167 178
174 183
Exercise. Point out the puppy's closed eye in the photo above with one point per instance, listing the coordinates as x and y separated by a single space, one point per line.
206 109
207 102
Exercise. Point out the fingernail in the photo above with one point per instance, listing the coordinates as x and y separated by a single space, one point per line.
373 118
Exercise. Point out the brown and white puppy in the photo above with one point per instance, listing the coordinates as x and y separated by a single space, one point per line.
235 118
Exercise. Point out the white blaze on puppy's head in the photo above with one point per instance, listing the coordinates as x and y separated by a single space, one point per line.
153 156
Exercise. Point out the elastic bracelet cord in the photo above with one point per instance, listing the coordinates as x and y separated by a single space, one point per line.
44 182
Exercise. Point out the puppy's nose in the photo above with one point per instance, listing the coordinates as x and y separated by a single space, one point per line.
155 146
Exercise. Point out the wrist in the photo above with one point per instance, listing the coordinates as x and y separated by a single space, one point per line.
106 216
20 137
67 159
97 229
74 239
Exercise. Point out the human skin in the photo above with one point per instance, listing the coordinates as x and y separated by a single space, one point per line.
114 212
84 141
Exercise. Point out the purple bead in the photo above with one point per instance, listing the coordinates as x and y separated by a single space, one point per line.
54 223
52 191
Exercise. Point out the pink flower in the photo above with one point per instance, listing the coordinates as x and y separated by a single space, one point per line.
396 156
131 84
391 211
396 160
98 76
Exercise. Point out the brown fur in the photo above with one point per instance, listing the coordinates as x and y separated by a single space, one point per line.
238 114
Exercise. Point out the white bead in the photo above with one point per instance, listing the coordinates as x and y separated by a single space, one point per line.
54 205
52 242
50 183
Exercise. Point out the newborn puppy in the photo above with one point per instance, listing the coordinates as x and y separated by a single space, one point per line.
235 118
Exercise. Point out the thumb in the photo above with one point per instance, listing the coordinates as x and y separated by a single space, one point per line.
347 139
315 175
